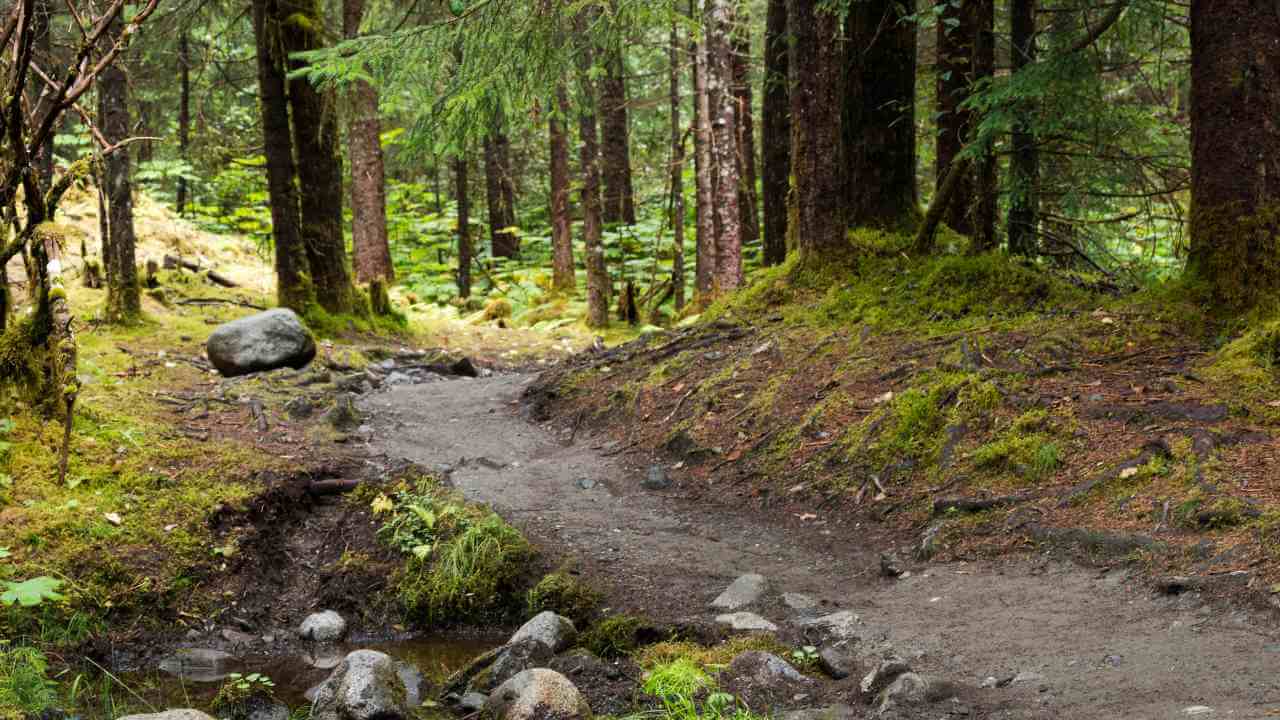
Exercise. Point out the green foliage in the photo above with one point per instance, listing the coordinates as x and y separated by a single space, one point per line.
237 694
564 594
614 636
30 593
24 688
687 692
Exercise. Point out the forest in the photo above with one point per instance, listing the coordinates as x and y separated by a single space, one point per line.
675 359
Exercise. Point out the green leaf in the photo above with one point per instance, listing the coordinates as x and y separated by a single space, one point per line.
30 593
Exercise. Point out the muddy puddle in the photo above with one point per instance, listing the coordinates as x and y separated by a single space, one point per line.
191 678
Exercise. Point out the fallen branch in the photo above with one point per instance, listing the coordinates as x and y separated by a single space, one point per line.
219 301
174 263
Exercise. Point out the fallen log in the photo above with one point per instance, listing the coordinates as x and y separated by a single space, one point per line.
175 263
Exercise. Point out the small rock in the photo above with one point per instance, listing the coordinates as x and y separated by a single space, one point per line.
113 518
989 681
236 637
398 378
906 687
746 621
300 408
890 566
472 702
537 694
842 625
929 541
586 483
511 660
326 626
186 714
744 591
365 686
548 628
343 416
265 341
765 669
656 478
884 673
836 664
464 368
1197 710
1028 677
798 601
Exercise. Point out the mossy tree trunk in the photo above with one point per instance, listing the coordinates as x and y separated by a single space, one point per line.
1235 149
462 198
124 302
588 101
878 126
1024 164
292 265
965 56
816 218
43 35
677 171
370 249
776 140
615 148
748 199
720 26
184 111
315 137
705 259
563 273
500 191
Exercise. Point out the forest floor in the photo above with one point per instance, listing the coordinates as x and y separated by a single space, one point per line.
1074 491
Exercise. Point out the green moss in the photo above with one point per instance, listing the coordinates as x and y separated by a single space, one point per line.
614 636
709 657
564 594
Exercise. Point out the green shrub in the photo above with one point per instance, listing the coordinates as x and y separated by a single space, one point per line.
472 576
565 595
24 688
613 636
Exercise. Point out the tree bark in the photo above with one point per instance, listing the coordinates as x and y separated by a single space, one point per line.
1024 164
1235 149
748 199
815 221
966 55
315 137
43 36
124 303
720 24
184 112
879 114
500 192
705 260
370 247
293 284
677 173
561 232
619 195
776 140
463 201
597 274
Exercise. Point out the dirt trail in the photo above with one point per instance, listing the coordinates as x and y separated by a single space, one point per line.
1088 644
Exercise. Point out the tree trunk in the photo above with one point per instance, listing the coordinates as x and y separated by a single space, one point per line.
879 114
1235 149
315 137
705 261
619 195
184 112
124 303
463 200
370 248
561 226
776 140
500 192
293 284
43 36
748 200
720 24
1024 165
965 56
597 274
677 173
815 220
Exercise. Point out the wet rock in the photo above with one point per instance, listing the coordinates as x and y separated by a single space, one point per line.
343 416
554 631
365 686
472 702
907 687
186 714
199 664
835 663
746 621
656 478
744 591
840 626
764 669
511 660
398 378
413 682
300 408
265 341
883 674
357 383
325 626
265 709
537 694
464 368
834 712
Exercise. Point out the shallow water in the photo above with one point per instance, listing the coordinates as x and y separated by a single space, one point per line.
435 658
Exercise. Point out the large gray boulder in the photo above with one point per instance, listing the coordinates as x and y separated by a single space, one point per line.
552 630
170 715
265 341
537 694
364 686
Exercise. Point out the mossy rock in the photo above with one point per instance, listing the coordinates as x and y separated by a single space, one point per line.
562 593
620 635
